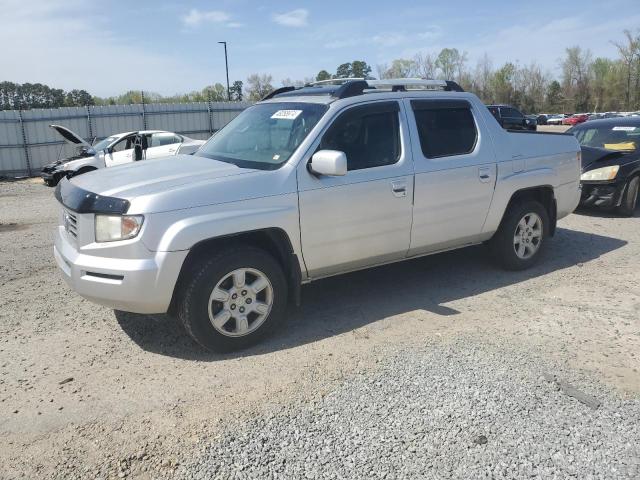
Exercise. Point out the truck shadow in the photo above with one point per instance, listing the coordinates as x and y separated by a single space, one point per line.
344 303
595 212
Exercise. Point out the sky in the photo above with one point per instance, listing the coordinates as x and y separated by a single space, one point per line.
108 47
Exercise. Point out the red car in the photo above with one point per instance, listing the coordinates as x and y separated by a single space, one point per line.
575 119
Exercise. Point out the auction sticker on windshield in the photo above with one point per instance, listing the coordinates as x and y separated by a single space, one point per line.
286 114
624 129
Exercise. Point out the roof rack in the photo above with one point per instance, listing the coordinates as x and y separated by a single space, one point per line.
349 87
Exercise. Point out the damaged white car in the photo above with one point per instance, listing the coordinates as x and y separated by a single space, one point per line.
115 150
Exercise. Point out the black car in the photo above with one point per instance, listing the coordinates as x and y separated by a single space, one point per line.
610 163
541 119
510 118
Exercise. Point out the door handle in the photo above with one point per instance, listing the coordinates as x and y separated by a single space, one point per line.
399 188
485 174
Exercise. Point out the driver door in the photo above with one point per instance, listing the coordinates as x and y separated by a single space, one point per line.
364 217
120 152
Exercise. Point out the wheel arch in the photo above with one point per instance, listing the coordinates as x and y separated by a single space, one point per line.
273 240
543 194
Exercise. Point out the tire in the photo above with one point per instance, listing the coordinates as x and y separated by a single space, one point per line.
504 248
211 295
630 197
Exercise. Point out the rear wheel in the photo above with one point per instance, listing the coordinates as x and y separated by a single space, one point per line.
630 197
521 237
233 299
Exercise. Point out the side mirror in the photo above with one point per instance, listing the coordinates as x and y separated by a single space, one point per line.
329 162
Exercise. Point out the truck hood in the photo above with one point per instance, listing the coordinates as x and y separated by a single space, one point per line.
169 183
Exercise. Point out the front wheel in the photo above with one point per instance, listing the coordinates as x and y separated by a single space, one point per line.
630 197
521 237
233 298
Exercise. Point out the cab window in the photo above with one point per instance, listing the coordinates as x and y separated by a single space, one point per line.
369 135
445 128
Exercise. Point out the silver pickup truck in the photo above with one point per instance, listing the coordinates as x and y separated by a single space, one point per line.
308 183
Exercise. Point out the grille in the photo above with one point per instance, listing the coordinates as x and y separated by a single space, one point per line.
70 223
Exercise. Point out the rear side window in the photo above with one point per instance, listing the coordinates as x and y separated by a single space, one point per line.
369 135
163 138
445 128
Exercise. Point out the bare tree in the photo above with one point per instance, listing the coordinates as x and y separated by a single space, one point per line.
630 53
484 70
258 86
425 65
576 76
400 68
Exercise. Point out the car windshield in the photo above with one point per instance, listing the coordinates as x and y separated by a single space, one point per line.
102 144
264 136
625 138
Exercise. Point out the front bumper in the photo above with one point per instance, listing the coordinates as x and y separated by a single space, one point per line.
604 195
132 285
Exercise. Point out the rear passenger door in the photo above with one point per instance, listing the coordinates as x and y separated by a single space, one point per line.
162 144
455 174
364 217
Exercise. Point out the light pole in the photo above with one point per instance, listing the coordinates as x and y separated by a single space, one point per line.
226 64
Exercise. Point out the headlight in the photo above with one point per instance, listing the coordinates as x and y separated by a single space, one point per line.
110 228
604 173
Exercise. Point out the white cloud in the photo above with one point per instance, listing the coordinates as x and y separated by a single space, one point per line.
195 17
431 33
389 39
294 18
71 45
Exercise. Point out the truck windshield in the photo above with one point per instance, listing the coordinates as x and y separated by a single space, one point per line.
264 136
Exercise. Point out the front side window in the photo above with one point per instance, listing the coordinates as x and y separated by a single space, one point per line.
445 128
264 136
369 135
125 144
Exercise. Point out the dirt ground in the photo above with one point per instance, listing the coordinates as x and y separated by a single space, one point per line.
84 390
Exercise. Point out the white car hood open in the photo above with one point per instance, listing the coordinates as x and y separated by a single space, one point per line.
70 137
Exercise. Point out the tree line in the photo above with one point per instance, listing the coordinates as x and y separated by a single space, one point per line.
586 84
14 96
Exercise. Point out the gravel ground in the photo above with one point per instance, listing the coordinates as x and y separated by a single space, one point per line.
463 409
86 392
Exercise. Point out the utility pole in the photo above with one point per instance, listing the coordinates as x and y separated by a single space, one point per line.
226 64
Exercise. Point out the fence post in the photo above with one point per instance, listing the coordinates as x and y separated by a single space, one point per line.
210 110
24 142
144 117
89 123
